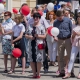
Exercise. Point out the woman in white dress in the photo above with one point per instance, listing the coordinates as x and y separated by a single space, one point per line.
36 34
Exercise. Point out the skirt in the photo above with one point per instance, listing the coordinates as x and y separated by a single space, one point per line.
6 47
21 45
34 54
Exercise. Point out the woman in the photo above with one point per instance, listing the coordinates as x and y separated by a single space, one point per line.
68 14
6 40
52 44
17 32
36 35
75 48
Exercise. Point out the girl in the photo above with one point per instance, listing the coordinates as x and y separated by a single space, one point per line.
18 31
36 35
75 48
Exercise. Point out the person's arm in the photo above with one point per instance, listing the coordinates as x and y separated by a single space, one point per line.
29 37
25 20
70 26
73 34
6 33
43 36
18 38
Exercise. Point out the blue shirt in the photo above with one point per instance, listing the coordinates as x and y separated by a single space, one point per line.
56 7
64 26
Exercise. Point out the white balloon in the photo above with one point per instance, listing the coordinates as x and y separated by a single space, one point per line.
1 8
50 6
55 31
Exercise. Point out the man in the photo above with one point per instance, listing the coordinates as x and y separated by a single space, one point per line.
64 25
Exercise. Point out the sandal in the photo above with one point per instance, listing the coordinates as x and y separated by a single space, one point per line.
38 77
50 64
54 64
23 72
66 76
10 72
34 77
5 71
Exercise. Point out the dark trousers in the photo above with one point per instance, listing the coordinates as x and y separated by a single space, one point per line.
45 62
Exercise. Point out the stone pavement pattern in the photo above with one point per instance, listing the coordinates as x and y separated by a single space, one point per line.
18 76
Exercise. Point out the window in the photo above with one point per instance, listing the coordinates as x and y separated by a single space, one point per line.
44 1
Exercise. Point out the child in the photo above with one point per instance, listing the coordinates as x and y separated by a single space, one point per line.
18 31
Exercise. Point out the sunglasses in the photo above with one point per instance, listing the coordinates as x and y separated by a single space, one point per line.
6 15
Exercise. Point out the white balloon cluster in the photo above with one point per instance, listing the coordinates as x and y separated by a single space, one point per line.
50 6
1 8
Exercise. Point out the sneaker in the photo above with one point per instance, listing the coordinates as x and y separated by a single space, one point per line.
72 75
45 70
18 66
5 71
61 75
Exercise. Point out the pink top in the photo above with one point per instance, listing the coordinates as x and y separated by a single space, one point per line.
77 38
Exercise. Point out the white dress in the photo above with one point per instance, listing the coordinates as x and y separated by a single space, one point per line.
34 53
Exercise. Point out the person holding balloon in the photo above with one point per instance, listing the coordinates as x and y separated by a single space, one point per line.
6 40
52 44
36 35
17 34
64 24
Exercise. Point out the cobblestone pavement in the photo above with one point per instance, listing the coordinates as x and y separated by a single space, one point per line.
51 75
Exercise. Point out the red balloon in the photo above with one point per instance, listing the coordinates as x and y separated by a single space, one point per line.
40 12
16 52
15 10
49 30
25 10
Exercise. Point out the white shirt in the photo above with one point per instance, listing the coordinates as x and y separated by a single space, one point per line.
43 21
49 38
17 29
8 27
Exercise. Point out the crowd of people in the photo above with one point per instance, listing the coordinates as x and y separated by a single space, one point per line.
29 34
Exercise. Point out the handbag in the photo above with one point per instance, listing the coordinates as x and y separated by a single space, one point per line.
17 42
41 46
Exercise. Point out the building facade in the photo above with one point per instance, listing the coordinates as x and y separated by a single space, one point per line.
10 4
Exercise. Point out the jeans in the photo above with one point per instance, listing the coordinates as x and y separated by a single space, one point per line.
20 62
19 59
74 53
52 49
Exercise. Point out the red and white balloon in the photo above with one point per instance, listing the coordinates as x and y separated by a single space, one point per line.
53 31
